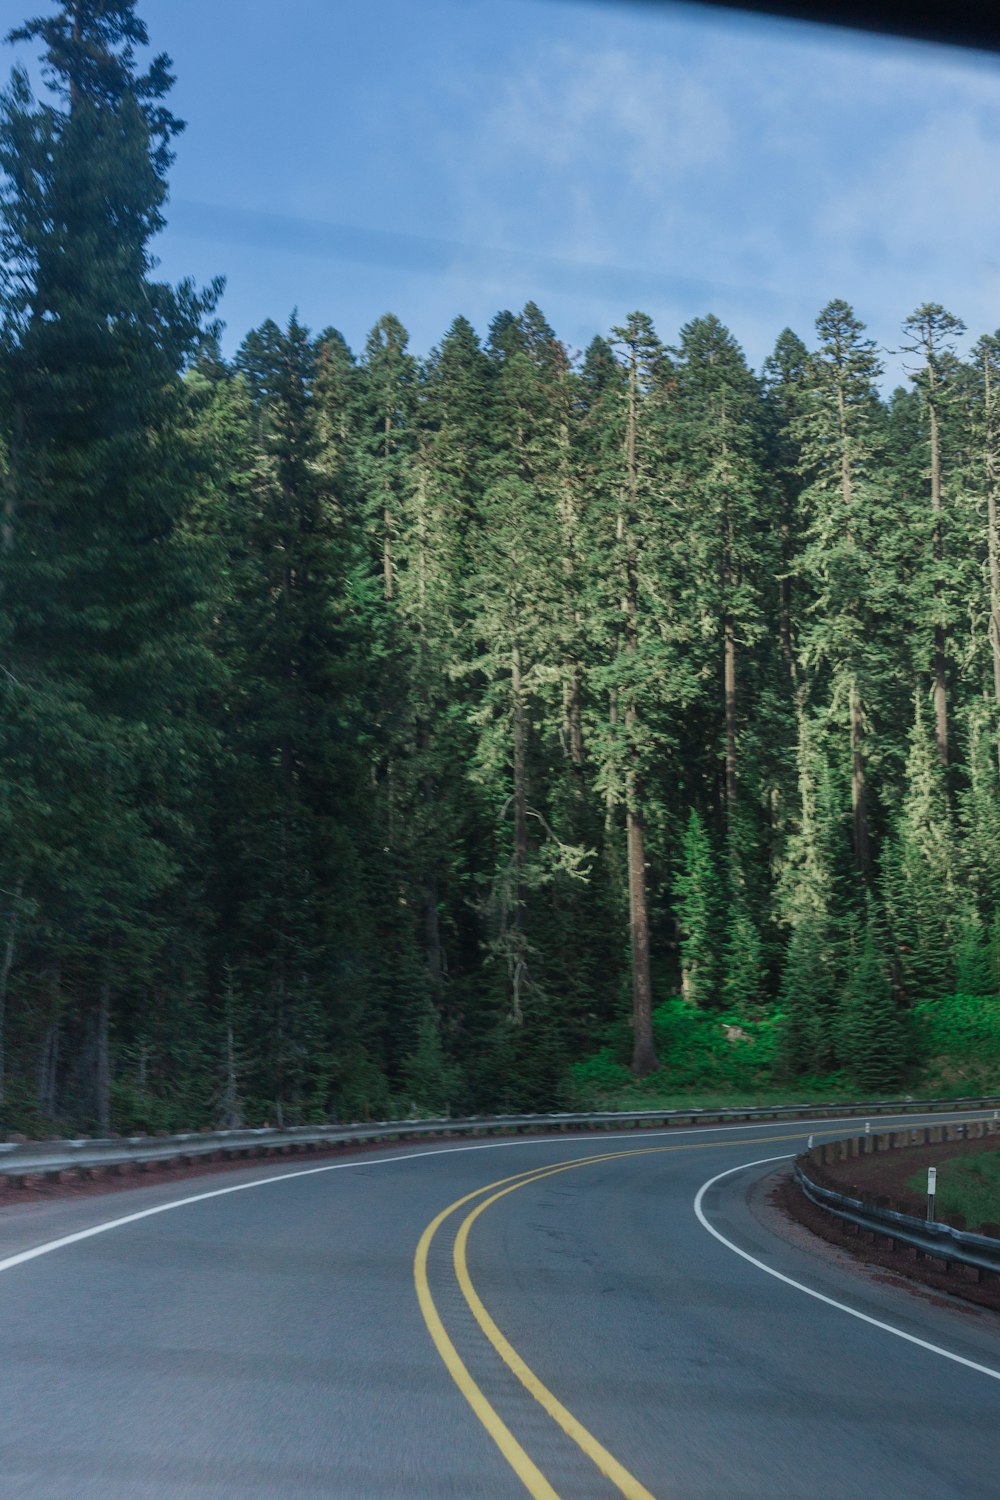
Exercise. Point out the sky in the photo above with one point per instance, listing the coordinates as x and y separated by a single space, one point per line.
436 157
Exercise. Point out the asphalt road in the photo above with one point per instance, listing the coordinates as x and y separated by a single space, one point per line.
583 1335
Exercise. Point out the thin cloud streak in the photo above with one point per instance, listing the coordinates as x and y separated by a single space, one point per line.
396 249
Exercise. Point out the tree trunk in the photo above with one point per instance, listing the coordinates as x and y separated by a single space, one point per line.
574 722
568 522
940 657
644 1058
48 1069
520 795
859 789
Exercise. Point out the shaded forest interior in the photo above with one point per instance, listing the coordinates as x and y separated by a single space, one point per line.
474 732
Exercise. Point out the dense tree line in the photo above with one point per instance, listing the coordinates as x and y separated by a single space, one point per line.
380 730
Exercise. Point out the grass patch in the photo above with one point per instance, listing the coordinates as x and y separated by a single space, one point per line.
639 1097
967 1185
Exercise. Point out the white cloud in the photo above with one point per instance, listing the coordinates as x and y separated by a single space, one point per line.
762 163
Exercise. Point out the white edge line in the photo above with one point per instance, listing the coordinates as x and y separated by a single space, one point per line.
910 1338
549 1140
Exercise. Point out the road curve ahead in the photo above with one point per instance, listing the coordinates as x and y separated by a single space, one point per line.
467 1321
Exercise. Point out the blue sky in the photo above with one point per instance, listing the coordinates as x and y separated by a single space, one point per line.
436 157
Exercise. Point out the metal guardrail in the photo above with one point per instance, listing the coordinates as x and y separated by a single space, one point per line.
927 1235
28 1159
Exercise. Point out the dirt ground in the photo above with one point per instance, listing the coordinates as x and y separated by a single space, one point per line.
881 1179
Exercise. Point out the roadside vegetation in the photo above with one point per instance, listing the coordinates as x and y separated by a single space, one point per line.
967 1185
953 1046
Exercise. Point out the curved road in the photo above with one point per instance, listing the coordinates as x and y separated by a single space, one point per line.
477 1320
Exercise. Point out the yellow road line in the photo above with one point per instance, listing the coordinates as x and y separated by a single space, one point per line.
627 1483
527 1471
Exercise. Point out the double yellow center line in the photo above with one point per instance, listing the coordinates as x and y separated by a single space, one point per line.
527 1471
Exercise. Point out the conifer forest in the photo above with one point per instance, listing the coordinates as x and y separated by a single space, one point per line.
469 732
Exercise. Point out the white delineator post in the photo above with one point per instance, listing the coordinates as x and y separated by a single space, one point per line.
931 1192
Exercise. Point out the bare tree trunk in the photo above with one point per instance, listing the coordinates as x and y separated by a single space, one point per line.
574 721
48 1069
572 715
940 657
859 789
644 1058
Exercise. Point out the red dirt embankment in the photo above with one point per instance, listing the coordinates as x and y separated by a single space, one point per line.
876 1168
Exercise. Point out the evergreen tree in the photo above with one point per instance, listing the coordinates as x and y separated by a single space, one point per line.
295 925
839 429
700 903
514 601
982 480
921 875
630 639
100 583
932 332
807 903
871 1037
785 393
376 733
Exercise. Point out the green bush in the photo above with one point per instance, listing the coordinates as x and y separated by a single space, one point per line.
596 1077
703 1048
958 1041
698 1049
